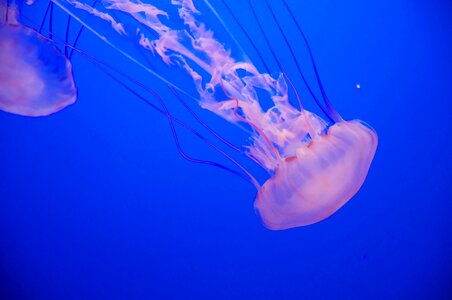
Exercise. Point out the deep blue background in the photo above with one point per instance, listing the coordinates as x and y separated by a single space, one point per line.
95 202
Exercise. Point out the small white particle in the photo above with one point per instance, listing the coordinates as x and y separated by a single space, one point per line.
358 86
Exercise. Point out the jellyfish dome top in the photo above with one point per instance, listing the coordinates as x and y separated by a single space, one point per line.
35 77
314 166
319 178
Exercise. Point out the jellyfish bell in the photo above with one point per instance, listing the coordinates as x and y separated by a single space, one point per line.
319 179
35 77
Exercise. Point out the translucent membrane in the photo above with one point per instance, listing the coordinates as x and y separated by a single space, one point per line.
320 179
35 77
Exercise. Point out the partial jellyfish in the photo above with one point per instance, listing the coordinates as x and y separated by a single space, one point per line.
315 166
35 77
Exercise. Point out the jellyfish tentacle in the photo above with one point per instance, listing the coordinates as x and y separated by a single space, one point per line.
247 36
170 118
334 114
6 11
102 66
205 125
297 64
68 25
182 152
122 52
254 126
218 136
9 11
48 12
185 105
223 23
280 65
247 177
44 18
178 96
79 32
267 41
51 21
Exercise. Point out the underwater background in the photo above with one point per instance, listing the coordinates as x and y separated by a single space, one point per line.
96 202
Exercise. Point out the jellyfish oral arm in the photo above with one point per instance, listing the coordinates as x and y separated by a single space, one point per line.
320 179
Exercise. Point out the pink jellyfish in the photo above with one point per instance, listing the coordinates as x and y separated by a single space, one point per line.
321 175
320 178
35 77
315 167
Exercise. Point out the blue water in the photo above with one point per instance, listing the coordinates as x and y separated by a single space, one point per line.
96 203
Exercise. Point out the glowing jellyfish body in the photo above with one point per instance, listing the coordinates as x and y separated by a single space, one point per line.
320 179
314 168
35 77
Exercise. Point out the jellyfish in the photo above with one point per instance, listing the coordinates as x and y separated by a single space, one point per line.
315 166
35 77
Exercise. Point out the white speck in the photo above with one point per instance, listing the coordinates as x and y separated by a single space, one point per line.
358 86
